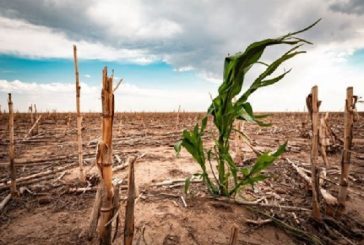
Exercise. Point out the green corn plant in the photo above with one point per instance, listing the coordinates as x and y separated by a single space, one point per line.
224 110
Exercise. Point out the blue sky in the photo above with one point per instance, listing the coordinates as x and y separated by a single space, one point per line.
143 81
356 60
154 75
172 54
157 75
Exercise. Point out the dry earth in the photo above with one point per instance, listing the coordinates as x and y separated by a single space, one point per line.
50 214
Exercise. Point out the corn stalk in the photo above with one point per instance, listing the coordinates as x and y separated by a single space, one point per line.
104 161
224 111
79 116
12 168
350 104
313 105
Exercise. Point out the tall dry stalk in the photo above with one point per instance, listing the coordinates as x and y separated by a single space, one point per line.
12 169
79 117
313 105
31 114
36 129
130 204
104 161
177 119
348 138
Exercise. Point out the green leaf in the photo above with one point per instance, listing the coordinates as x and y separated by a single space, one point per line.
262 116
245 171
203 124
266 159
255 179
178 146
197 175
260 82
262 124
246 113
232 166
281 149
263 161
187 185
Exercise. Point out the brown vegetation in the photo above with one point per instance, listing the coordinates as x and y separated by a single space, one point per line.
55 208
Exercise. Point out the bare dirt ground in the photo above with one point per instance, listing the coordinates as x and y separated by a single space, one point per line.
52 213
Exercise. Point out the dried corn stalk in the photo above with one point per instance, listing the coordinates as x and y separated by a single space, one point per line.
313 105
348 138
104 161
12 148
325 139
79 116
239 156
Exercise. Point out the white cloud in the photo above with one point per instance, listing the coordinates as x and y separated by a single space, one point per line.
130 19
196 35
319 67
43 42
87 75
128 97
184 68
210 77
50 96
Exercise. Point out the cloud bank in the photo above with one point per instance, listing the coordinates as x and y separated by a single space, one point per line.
196 35
128 97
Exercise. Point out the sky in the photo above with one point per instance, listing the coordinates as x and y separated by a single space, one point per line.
170 53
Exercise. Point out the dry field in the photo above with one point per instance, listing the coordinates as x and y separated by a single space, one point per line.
52 210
